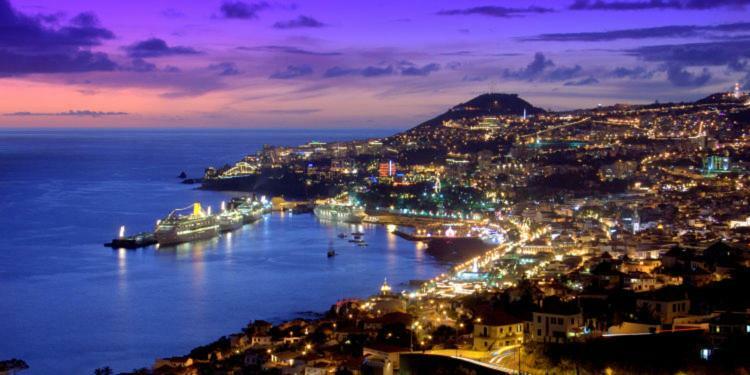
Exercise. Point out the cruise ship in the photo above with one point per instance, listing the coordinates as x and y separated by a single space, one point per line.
230 220
177 228
340 212
250 209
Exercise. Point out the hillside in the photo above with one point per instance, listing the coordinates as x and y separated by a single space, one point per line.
484 105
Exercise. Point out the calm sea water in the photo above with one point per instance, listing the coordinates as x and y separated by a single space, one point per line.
69 305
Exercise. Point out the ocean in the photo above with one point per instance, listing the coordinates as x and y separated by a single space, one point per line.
69 305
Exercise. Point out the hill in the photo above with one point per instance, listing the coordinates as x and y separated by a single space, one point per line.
484 105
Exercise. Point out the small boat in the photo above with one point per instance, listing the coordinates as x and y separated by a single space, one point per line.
131 242
357 234
342 235
362 244
331 252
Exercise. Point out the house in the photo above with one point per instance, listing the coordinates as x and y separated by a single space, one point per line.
291 340
539 245
641 282
174 362
664 304
257 357
497 329
321 367
556 322
260 340
676 256
382 359
287 362
239 342
606 276
727 325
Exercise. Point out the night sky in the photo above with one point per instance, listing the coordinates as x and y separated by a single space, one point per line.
333 64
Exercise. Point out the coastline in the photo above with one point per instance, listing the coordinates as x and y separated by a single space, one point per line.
102 180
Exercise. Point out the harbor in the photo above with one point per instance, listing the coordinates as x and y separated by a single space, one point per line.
196 225
54 265
446 239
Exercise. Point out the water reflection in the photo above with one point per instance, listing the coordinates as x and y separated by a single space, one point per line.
282 256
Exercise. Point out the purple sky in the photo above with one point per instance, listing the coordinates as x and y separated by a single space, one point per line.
352 63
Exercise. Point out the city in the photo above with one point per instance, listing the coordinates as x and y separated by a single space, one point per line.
429 187
606 228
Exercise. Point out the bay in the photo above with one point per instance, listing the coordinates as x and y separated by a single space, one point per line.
69 305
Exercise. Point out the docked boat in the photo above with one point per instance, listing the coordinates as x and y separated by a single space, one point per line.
340 212
250 209
131 242
230 220
178 228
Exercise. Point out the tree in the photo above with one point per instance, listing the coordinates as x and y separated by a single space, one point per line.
106 370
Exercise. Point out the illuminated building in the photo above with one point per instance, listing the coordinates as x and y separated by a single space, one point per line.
387 169
556 324
716 164
496 330
386 302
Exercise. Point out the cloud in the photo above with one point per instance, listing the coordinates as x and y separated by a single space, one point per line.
368 71
543 69
289 49
694 54
292 71
299 23
680 77
156 47
141 65
676 31
533 70
242 10
375 71
563 73
583 82
474 78
75 113
405 68
12 63
22 31
420 71
30 44
495 11
301 111
338 71
638 72
657 4
225 68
